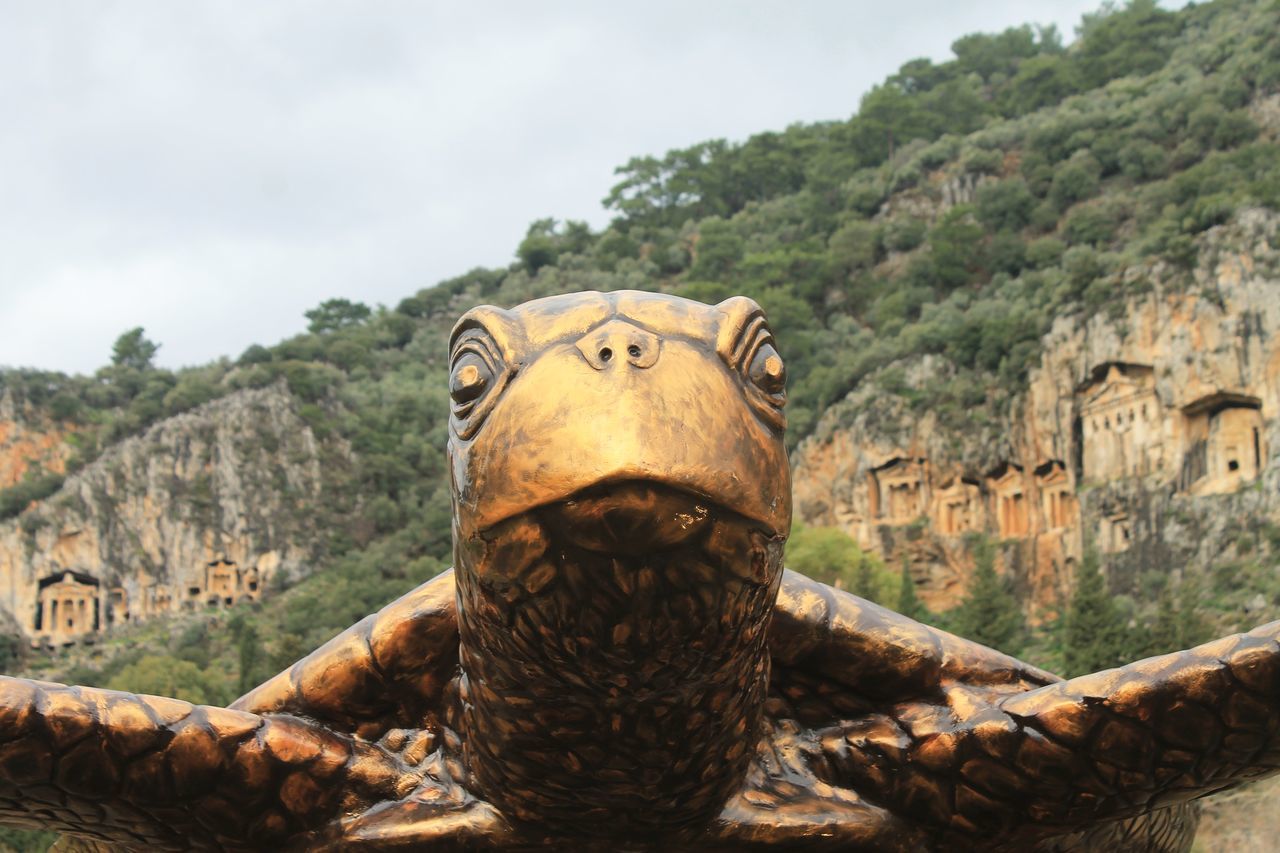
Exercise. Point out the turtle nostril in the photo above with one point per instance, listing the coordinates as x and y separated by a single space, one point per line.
619 344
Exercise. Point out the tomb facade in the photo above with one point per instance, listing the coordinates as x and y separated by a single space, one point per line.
1223 444
67 607
1057 495
957 507
1115 533
1121 423
1009 501
899 491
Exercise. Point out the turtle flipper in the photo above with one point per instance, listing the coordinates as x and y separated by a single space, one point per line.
1163 730
852 646
426 820
1010 769
385 671
779 808
149 772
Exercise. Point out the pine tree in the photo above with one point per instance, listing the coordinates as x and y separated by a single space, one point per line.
1095 634
1165 632
864 580
989 612
1178 623
248 650
908 604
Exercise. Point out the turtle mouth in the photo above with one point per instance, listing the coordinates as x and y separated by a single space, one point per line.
635 517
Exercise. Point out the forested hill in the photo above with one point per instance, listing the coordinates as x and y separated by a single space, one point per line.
958 212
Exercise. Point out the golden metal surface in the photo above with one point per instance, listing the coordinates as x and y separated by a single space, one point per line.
619 660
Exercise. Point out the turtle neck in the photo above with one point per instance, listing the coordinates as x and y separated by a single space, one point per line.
613 693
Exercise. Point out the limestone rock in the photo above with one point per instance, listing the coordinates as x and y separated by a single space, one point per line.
201 510
1150 434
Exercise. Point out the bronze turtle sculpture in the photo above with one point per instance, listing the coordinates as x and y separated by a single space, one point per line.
619 660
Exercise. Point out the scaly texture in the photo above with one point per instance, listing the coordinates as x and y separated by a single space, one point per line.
157 773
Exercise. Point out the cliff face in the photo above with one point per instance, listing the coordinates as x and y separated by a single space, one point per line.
1149 434
26 443
201 510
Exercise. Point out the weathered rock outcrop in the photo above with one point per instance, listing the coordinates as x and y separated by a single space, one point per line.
203 509
1149 434
26 444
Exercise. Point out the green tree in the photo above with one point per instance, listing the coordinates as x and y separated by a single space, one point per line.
1142 160
1094 223
989 612
334 314
26 840
161 675
1074 181
1045 252
904 233
35 485
1095 634
1118 42
547 240
249 652
864 581
1040 81
909 604
956 247
1176 624
1164 634
132 350
10 653
717 250
1003 53
830 555
1004 205
855 245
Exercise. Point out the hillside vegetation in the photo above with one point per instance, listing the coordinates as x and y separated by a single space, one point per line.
963 207
960 210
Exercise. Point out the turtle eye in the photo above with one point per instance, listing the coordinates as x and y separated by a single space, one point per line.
470 376
476 377
755 357
767 370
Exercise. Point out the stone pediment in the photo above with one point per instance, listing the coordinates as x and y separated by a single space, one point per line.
1112 391
1212 404
1115 382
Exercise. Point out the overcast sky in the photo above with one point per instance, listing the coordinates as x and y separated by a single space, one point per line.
212 170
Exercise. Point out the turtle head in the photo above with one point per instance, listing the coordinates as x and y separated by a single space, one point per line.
583 393
622 496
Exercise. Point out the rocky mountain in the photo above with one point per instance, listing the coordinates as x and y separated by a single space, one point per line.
1025 296
29 443
204 509
1148 433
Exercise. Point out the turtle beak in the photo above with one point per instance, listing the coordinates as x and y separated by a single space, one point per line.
622 405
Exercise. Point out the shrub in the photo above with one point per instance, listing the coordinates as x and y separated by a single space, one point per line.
956 248
1075 181
1007 253
983 162
1092 224
855 245
904 233
1141 160
1004 205
718 250
1045 252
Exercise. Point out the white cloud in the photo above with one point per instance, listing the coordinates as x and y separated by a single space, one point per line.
211 170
